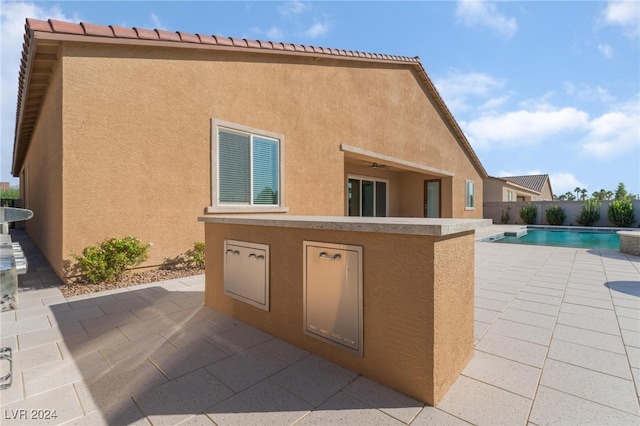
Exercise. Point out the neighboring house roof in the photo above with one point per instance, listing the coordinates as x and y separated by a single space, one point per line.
36 68
533 182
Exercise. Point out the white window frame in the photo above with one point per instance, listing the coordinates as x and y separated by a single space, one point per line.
467 199
371 179
216 206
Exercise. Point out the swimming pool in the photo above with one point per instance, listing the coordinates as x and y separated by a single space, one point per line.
577 238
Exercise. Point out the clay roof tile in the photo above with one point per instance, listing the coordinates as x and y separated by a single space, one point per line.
223 41
122 32
252 43
38 25
188 38
238 42
145 34
66 27
167 35
534 182
96 30
205 39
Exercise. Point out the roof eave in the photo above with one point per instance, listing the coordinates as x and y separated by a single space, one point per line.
22 96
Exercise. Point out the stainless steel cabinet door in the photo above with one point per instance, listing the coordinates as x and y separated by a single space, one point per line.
246 272
333 294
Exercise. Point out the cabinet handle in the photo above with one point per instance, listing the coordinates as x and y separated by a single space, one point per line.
234 252
325 255
254 256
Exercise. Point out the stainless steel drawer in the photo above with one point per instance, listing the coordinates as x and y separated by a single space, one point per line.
333 294
246 272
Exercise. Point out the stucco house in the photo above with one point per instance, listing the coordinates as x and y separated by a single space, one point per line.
517 188
130 131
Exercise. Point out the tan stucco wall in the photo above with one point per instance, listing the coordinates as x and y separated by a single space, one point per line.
494 190
43 167
418 302
545 193
137 124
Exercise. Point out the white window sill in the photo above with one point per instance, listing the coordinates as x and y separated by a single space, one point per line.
469 208
247 209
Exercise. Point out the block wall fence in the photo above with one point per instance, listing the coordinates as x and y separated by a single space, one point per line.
493 210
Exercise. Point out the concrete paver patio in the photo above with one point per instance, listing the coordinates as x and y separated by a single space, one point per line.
557 342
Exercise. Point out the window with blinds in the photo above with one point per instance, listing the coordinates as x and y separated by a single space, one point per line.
248 169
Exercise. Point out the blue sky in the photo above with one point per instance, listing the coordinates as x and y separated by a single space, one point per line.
537 86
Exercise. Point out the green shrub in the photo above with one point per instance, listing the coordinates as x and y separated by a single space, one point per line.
590 213
196 256
555 215
621 212
529 213
111 258
505 216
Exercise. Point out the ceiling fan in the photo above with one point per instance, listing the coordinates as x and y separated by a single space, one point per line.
379 166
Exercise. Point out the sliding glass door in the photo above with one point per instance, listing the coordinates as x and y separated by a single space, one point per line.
367 196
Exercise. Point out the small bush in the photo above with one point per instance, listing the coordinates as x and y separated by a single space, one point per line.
505 216
196 256
555 215
590 213
529 213
111 258
621 212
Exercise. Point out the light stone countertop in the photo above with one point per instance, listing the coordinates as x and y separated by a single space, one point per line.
388 225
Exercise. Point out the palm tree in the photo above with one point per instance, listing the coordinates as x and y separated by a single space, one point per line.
583 194
578 190
569 196
603 194
609 195
560 197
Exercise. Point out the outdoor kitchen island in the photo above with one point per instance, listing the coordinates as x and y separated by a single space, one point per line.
389 298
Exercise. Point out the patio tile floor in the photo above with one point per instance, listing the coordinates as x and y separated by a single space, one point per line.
557 342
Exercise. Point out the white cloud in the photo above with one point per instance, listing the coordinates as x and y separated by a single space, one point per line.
563 182
457 88
625 14
317 30
606 50
523 126
294 7
274 33
12 22
473 13
584 92
157 25
295 23
494 103
614 133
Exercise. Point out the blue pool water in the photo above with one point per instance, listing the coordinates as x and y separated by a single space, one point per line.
566 238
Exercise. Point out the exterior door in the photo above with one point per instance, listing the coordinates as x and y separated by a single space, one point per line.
432 198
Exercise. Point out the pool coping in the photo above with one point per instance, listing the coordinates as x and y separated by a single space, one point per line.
525 228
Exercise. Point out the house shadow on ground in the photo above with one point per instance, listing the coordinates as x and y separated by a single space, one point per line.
161 354
627 287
